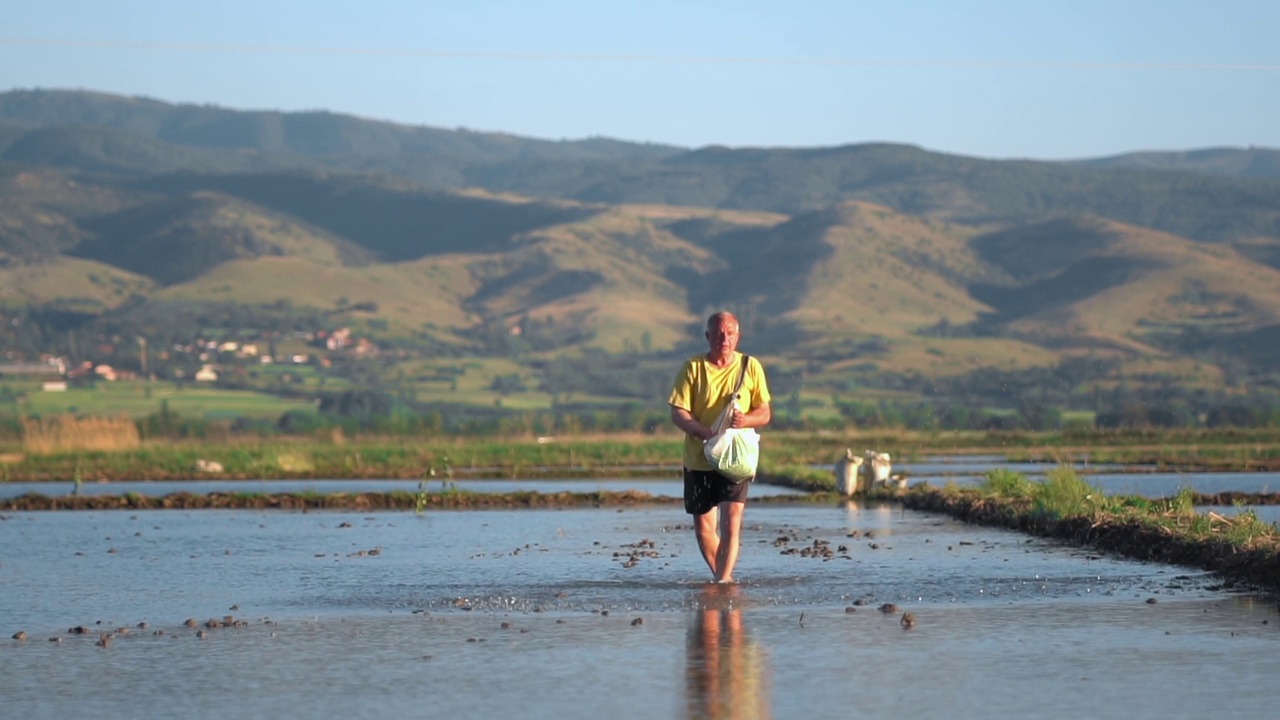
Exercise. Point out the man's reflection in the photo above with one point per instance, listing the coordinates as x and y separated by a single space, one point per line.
726 674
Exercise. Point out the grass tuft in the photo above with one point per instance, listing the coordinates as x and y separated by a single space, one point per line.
1006 483
1184 503
1064 494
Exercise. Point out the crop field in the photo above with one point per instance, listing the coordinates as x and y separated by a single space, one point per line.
139 399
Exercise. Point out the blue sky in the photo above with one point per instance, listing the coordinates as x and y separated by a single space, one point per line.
1027 78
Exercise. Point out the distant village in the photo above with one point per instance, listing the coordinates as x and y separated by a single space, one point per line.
211 357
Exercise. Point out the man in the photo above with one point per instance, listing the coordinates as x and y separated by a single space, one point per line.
699 394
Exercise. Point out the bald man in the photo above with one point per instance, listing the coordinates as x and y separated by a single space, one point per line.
700 392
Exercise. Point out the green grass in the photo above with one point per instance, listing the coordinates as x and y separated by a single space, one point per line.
297 376
1245 527
800 476
139 399
407 457
1064 494
520 455
1241 545
1002 482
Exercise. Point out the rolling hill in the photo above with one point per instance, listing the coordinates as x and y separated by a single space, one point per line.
1093 278
1217 195
1250 162
304 133
66 284
842 261
184 237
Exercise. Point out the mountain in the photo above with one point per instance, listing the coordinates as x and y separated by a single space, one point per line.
98 150
66 284
393 220
872 263
342 141
41 209
180 238
1216 195
911 180
1089 277
1250 162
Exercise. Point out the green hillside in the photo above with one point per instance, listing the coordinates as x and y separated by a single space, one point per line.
918 182
1090 277
41 209
482 268
182 238
68 284
1214 195
1251 162
100 150
393 221
303 134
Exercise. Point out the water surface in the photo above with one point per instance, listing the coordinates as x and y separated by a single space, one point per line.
390 613
1153 484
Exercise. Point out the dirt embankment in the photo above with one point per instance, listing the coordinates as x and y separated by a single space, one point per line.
327 501
1254 567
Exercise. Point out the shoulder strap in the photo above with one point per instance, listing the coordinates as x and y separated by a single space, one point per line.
722 421
742 375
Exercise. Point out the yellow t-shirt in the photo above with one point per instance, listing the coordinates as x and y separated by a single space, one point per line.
703 389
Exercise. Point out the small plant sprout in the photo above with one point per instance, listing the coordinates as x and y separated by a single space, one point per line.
420 498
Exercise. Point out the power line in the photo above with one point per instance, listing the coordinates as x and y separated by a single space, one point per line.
624 58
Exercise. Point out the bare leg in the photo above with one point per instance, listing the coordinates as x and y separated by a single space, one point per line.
727 550
704 527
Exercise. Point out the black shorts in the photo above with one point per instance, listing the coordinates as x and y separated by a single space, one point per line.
705 489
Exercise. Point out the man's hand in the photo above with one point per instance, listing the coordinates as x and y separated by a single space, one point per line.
686 422
758 417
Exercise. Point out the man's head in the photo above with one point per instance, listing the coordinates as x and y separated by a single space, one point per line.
722 335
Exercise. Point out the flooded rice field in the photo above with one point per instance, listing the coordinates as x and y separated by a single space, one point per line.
589 613
1111 479
937 471
668 486
1151 484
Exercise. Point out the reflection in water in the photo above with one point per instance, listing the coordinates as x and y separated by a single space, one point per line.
726 675
879 513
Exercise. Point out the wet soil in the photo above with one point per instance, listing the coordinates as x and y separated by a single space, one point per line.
1253 567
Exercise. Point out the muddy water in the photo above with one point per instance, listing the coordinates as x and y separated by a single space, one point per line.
371 615
1265 513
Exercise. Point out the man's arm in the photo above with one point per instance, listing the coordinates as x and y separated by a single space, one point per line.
761 413
759 416
684 420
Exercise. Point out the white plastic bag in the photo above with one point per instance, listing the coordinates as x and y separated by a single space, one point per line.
733 452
